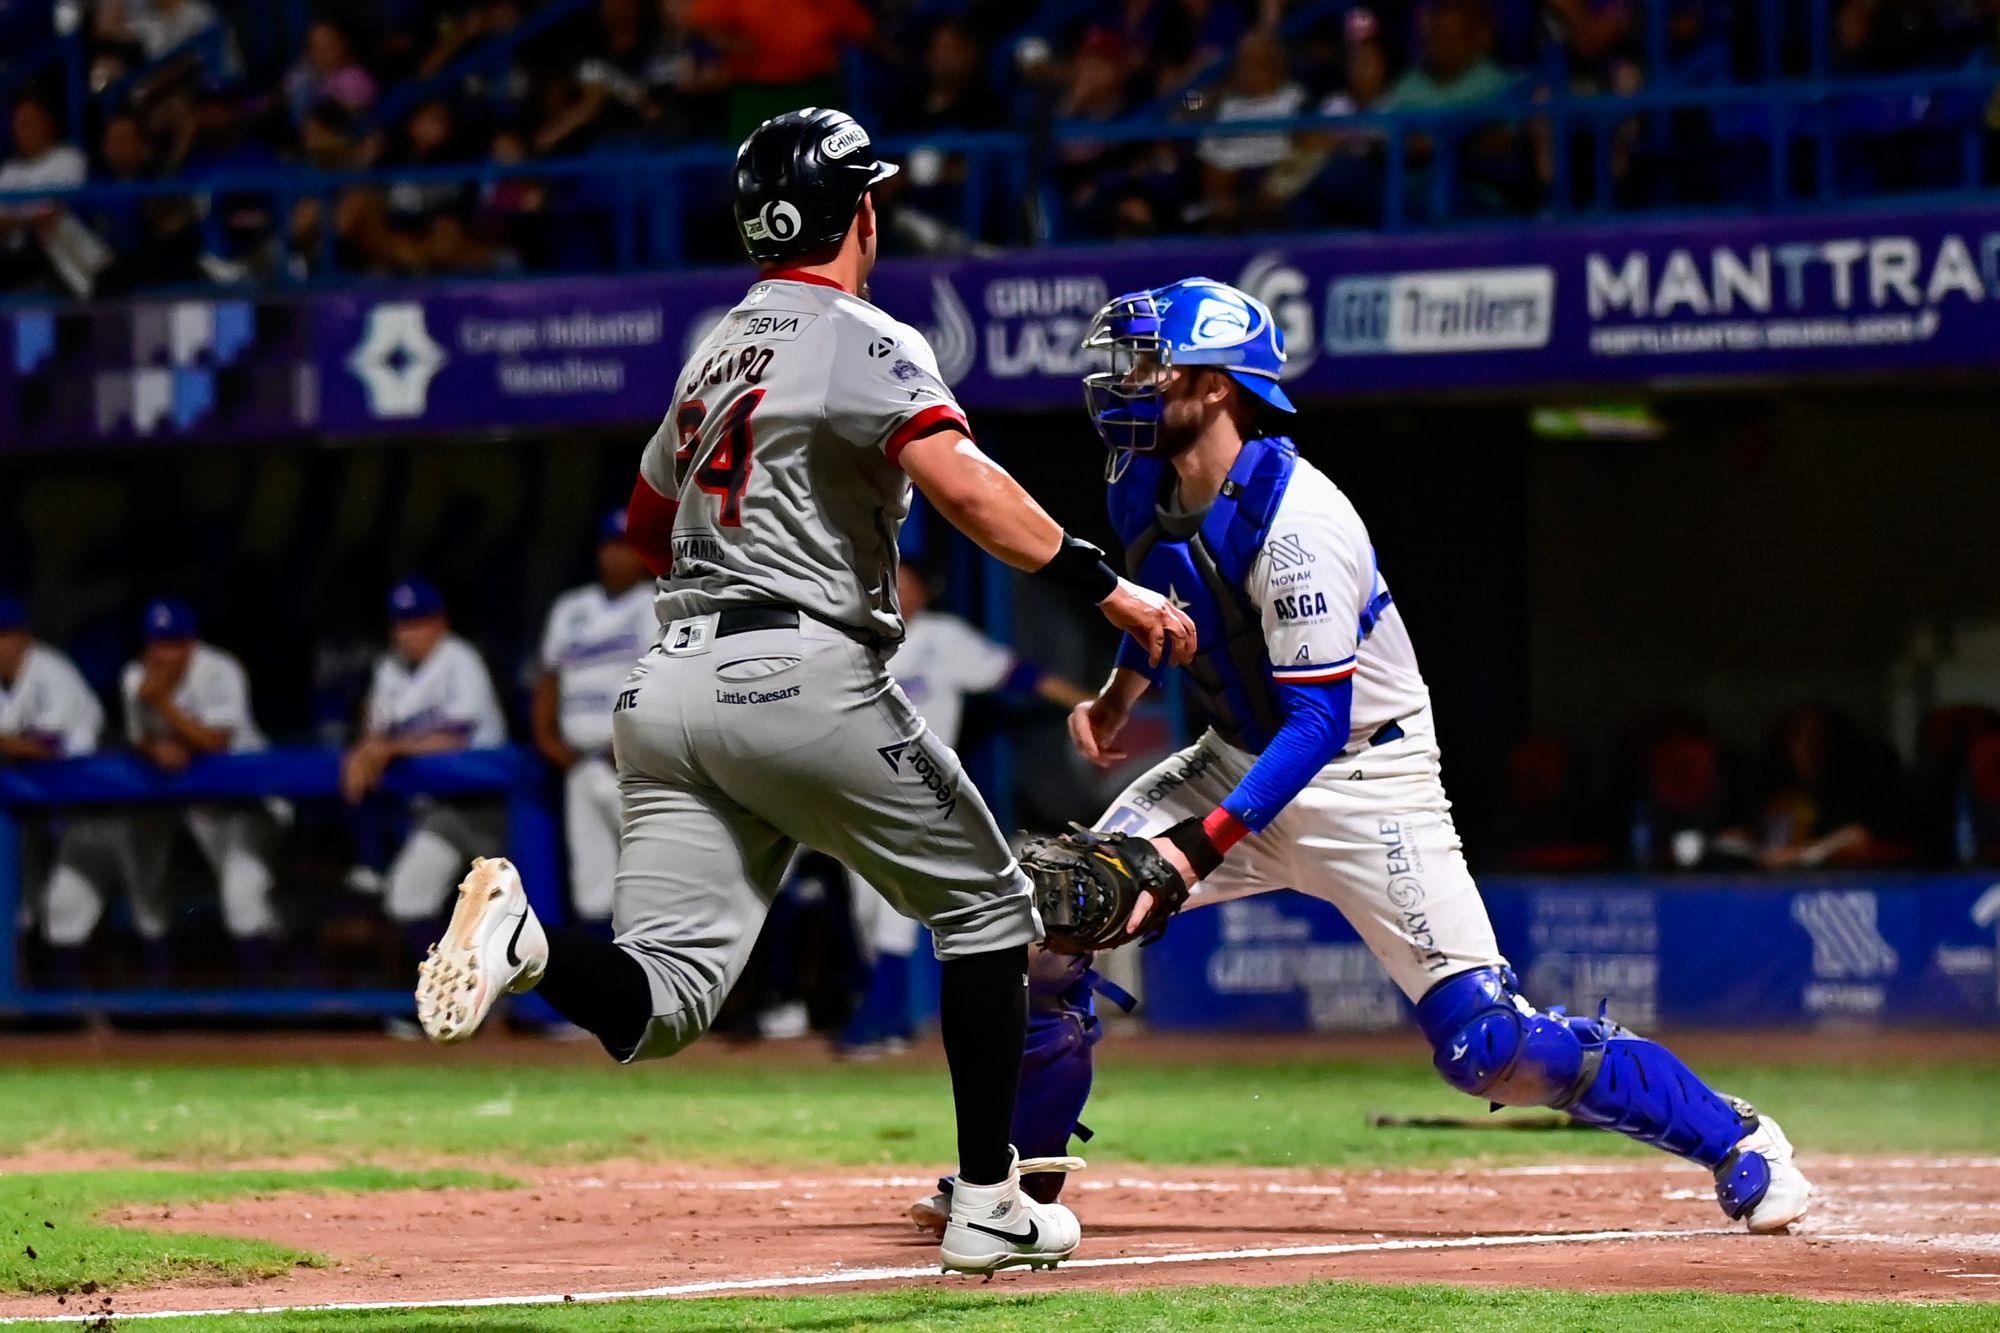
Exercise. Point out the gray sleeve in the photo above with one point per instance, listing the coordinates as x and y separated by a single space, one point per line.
884 389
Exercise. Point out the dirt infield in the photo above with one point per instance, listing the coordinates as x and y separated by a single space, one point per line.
1885 1228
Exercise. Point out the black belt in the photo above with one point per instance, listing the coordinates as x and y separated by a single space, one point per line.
743 619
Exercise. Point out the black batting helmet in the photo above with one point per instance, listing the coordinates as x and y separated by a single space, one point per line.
799 178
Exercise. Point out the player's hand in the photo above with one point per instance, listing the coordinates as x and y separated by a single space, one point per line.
1175 858
361 768
1093 729
1159 625
156 686
169 754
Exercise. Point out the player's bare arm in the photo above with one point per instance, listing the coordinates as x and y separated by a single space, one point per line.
548 730
979 498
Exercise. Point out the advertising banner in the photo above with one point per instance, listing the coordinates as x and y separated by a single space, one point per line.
1692 951
1514 309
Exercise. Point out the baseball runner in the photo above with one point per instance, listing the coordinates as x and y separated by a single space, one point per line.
183 699
431 694
594 635
1320 769
770 501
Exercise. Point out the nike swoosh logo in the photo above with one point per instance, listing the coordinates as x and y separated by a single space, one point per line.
1028 1237
514 959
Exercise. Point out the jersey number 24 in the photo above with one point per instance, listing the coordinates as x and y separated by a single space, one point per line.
725 470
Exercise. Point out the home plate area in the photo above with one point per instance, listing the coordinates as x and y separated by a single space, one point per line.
1895 1228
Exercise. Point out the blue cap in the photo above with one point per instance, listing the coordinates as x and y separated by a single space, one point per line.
612 528
413 599
168 618
13 615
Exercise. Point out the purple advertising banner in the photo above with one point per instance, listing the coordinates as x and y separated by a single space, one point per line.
1511 309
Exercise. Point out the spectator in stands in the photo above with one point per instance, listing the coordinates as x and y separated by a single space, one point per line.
1335 176
47 710
954 93
781 54
431 695
594 636
41 161
1454 73
154 27
148 239
1452 69
1828 794
614 99
184 699
1260 87
1115 189
327 72
417 226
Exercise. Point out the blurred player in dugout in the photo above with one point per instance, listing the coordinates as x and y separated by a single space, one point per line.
431 694
593 636
183 699
47 711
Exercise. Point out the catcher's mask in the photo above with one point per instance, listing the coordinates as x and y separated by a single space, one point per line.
1143 336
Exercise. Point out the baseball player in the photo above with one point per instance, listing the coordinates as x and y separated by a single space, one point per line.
183 698
1319 770
941 662
594 635
770 500
47 709
431 695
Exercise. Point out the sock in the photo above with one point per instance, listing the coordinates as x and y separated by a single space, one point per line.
983 1010
599 987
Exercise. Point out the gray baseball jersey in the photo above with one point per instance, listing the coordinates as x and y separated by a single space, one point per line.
736 742
781 447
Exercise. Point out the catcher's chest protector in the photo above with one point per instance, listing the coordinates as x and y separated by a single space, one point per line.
1206 574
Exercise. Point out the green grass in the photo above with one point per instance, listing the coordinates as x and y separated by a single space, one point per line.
51 1240
1167 1310
735 1111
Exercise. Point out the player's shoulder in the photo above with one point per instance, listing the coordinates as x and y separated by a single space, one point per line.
870 327
52 663
1313 498
463 656
217 662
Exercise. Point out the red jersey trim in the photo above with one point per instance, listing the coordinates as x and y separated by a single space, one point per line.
800 275
921 422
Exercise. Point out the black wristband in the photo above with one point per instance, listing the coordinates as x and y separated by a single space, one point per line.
1192 838
1079 566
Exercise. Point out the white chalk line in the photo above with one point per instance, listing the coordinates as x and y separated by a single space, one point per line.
867 1276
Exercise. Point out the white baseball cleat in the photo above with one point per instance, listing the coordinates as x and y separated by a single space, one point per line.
493 945
932 1213
1786 1194
992 1227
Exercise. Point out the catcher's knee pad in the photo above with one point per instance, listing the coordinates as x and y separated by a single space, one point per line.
1055 1079
1492 1043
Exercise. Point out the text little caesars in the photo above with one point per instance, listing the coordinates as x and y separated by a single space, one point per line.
755 696
1449 310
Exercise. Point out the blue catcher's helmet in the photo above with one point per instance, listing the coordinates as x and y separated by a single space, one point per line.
1193 322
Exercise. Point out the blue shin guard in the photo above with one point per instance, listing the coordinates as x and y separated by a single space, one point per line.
1493 1044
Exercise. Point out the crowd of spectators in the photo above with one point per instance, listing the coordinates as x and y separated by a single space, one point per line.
1819 789
457 83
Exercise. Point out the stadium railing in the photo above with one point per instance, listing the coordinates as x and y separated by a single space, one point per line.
301 774
645 200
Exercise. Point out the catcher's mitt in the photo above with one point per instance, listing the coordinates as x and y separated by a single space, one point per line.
1087 884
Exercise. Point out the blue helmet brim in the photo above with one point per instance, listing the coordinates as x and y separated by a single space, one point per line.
1269 390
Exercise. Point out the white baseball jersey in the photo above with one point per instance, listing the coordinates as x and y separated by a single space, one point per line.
51 702
448 691
942 660
1317 584
781 448
591 641
214 691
